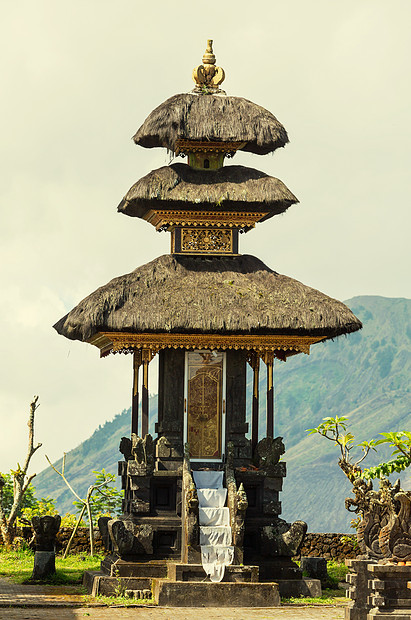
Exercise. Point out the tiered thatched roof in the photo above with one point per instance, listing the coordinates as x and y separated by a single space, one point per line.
219 117
230 188
222 295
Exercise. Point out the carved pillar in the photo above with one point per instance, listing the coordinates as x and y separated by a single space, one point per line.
254 361
269 361
134 402
146 355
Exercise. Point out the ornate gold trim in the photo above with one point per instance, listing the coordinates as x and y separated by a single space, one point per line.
208 146
201 240
234 219
122 342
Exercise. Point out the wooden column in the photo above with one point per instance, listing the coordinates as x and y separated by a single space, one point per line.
254 361
147 356
269 361
134 400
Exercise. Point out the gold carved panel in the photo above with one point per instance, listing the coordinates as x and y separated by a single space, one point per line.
204 404
206 240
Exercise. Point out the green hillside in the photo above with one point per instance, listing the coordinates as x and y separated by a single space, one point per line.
364 376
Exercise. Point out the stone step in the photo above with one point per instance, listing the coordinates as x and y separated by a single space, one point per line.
115 567
208 594
98 583
195 572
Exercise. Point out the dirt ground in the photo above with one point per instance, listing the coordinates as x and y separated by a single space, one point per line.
232 613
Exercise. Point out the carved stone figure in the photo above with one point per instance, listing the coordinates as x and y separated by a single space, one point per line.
45 531
129 538
125 448
191 508
268 452
377 509
395 536
282 538
237 503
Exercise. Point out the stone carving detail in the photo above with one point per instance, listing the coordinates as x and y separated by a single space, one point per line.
129 538
282 538
395 537
139 453
237 503
125 448
45 531
191 522
377 509
268 452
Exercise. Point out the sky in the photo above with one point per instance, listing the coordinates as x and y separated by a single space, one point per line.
79 78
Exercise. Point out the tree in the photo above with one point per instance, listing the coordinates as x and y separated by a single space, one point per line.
335 429
107 500
102 481
28 499
21 484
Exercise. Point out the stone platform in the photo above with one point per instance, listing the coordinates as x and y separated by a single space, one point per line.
187 585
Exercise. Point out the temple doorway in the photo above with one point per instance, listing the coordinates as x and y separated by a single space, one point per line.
204 404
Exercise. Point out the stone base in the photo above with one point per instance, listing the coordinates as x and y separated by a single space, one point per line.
299 587
391 614
114 566
44 564
195 572
280 568
207 594
97 583
186 585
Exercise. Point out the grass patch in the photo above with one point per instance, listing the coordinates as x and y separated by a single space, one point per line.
120 601
18 566
336 572
329 597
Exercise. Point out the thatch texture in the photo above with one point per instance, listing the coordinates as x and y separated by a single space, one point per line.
231 188
184 294
212 117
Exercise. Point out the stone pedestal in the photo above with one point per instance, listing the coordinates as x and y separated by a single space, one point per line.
358 592
316 568
44 565
389 595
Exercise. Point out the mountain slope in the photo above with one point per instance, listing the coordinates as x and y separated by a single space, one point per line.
364 376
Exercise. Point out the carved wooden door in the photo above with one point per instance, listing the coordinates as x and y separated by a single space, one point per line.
204 404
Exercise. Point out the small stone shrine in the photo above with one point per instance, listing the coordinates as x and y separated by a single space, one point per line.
207 311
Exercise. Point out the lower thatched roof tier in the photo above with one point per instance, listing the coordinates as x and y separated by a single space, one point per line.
217 295
231 188
218 117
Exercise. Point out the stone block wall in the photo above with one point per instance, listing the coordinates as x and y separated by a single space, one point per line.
330 546
81 540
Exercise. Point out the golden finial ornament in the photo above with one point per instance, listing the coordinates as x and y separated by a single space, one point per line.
208 76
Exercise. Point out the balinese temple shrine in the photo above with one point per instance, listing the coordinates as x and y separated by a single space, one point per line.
201 518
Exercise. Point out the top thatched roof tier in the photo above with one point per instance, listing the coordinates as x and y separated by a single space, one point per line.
227 189
213 117
217 295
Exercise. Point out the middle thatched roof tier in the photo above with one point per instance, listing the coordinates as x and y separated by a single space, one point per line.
231 188
213 117
215 295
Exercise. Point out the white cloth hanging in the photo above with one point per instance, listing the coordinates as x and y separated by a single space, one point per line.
215 535
208 479
215 559
214 519
212 498
214 516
